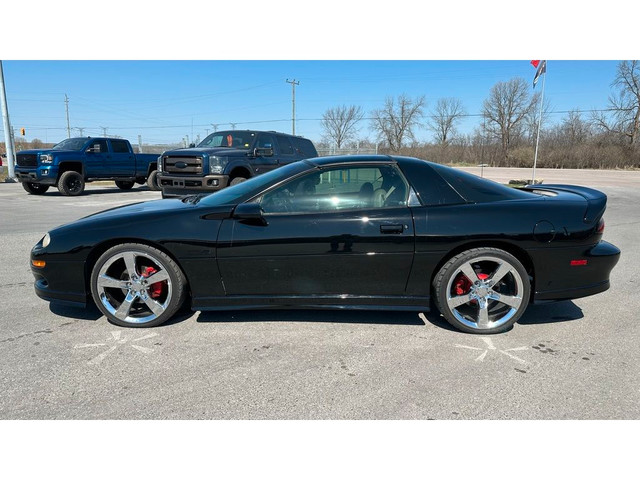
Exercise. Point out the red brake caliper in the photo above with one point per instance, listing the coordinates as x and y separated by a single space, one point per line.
156 289
462 285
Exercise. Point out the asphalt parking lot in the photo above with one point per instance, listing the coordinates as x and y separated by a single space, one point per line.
569 360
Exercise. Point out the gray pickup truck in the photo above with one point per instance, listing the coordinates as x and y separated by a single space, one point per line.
226 158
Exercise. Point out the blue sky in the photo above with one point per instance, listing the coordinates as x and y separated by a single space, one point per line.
161 100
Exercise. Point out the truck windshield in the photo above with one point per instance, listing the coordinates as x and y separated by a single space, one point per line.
71 144
230 139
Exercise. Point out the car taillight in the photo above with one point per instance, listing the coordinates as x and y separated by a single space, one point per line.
600 227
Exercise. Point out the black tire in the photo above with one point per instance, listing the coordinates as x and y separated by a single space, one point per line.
125 184
35 188
482 290
152 181
71 183
119 288
237 180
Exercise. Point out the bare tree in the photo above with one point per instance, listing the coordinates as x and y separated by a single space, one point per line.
443 119
506 108
574 129
625 103
394 122
339 123
530 125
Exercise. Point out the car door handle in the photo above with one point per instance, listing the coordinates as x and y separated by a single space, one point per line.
395 228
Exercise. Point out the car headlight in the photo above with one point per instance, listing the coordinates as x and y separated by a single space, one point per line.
46 158
217 164
46 240
160 163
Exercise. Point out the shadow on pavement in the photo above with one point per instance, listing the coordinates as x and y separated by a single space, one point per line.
551 313
312 316
91 312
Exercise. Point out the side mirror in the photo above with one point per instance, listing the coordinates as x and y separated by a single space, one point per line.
263 152
250 213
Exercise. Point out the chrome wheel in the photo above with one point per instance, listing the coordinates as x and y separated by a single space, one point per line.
482 290
134 286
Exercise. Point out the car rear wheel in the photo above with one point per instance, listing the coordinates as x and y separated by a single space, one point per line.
136 285
152 181
125 184
71 183
35 188
482 290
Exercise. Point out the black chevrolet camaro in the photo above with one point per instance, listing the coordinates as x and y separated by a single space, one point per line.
357 232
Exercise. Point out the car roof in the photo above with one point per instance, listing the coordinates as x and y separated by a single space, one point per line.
350 159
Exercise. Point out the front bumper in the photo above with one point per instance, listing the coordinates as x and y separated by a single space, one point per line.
41 175
175 186
59 281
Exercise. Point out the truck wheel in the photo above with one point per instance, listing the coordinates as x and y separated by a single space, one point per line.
71 183
237 180
124 184
35 188
152 181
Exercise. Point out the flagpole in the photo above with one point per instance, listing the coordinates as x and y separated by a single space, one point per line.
535 156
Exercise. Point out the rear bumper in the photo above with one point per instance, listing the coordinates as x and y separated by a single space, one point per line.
175 186
577 281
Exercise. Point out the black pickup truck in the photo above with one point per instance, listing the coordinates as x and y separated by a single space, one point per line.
227 158
75 161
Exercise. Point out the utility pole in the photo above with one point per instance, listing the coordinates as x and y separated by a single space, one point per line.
8 141
215 127
80 129
293 104
66 107
139 143
104 131
233 126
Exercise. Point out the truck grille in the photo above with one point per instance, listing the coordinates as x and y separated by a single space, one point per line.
183 165
27 160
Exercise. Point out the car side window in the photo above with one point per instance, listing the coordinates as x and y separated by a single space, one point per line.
98 146
119 146
284 145
265 141
340 188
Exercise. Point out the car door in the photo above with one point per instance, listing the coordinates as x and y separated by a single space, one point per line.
122 162
285 150
265 163
96 158
339 231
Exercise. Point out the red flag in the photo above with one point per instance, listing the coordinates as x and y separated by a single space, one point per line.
535 63
542 68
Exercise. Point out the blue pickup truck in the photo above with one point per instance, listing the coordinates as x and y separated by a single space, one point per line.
75 161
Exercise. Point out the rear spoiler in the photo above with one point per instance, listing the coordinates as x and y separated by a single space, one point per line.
596 200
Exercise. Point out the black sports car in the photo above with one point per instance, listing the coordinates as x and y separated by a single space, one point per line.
363 232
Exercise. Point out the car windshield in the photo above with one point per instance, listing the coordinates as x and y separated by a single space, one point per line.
71 144
229 139
245 190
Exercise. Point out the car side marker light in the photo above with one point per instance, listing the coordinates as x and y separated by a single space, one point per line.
38 263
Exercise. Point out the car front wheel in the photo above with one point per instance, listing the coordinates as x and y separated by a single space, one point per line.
482 290
136 285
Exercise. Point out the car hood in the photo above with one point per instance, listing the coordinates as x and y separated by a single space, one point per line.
154 211
218 151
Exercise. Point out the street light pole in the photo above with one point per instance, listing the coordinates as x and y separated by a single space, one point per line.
8 141
293 104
